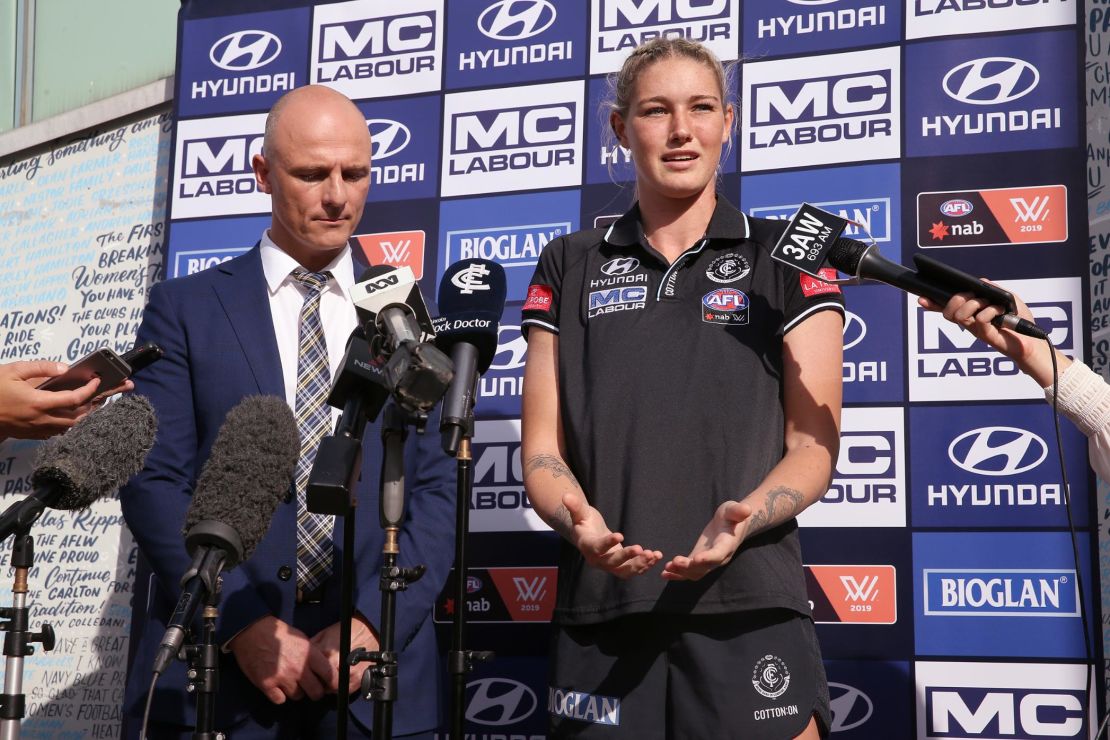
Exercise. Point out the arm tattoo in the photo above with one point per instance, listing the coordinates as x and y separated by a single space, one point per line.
560 519
782 504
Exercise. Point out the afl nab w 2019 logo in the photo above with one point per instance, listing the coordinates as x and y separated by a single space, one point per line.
771 677
245 50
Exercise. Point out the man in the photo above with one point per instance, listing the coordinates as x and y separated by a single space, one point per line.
248 327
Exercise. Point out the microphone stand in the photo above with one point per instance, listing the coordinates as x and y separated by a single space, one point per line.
459 660
18 640
379 682
204 671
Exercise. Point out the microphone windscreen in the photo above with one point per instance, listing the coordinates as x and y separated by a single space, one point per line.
97 456
846 254
471 299
249 471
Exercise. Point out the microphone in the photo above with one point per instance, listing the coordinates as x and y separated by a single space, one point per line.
389 300
471 299
934 280
90 461
247 475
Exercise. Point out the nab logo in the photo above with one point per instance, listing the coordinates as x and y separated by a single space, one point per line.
989 713
850 707
513 20
387 138
499 701
512 349
997 451
990 81
245 50
854 330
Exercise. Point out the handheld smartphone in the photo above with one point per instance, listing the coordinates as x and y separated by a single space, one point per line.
102 363
958 281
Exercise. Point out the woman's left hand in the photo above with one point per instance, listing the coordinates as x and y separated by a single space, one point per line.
716 545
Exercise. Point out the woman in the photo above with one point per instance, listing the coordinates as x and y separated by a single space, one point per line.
683 388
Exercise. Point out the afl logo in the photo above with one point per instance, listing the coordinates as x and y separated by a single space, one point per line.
956 207
473 584
725 299
245 50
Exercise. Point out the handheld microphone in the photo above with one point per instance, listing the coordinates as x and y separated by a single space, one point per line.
934 280
389 300
247 475
471 299
90 461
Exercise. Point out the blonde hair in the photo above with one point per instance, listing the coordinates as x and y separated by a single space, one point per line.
656 50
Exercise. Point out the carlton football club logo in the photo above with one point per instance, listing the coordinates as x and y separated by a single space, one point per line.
728 268
770 677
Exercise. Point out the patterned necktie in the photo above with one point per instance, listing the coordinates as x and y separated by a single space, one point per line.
314 546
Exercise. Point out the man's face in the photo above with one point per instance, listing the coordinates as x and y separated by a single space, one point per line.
317 173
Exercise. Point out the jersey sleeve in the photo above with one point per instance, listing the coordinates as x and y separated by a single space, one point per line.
541 306
807 295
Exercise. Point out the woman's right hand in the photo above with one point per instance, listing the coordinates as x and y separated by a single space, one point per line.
602 548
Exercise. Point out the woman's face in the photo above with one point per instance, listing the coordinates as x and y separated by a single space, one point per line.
675 126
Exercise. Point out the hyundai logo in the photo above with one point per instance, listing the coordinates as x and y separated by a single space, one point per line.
997 451
245 50
620 266
387 137
499 701
991 80
513 20
512 348
850 707
854 330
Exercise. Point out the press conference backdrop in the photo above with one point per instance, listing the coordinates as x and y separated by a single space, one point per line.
938 563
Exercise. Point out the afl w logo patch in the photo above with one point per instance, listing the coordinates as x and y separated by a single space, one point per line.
728 268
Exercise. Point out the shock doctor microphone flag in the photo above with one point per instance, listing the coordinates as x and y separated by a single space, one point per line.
90 461
248 474
471 299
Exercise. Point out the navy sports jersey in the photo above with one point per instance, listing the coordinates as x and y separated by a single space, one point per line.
671 402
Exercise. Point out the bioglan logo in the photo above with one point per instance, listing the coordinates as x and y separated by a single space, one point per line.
600 710
618 26
213 167
492 147
366 51
242 51
868 218
847 113
193 261
1000 592
514 20
497 702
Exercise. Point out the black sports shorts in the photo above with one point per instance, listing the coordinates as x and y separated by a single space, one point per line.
751 675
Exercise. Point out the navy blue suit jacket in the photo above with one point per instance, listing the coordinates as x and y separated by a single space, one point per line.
218 336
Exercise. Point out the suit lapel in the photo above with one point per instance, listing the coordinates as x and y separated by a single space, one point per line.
244 297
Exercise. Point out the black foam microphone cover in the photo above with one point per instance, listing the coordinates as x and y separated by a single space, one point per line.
97 456
471 300
249 471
